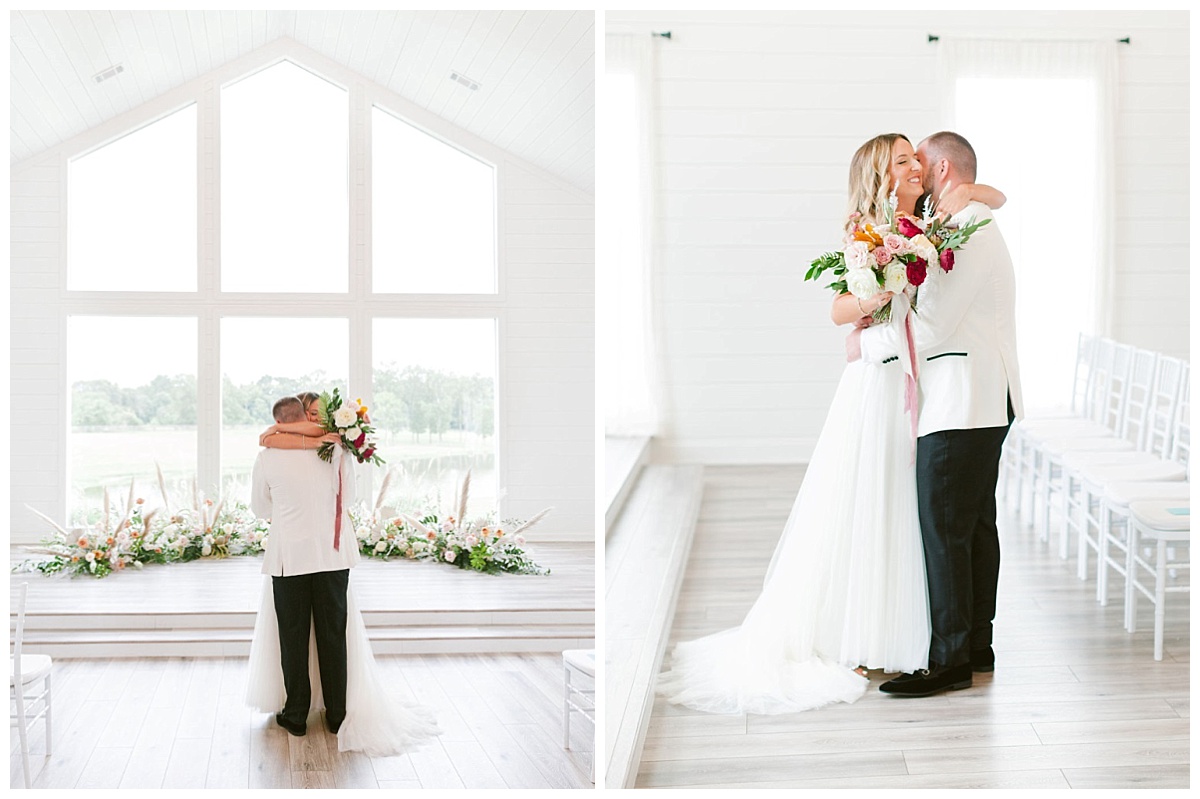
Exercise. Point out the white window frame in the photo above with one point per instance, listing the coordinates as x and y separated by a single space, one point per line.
208 304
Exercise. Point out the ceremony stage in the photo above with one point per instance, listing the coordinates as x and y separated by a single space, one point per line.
207 608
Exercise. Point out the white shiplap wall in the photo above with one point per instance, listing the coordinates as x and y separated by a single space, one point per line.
545 309
759 114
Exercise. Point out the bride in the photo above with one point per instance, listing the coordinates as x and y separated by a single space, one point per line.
845 590
380 721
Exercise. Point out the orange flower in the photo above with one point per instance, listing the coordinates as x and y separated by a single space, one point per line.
362 411
111 540
82 542
141 501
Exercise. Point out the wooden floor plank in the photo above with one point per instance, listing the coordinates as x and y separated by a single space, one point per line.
170 739
1075 700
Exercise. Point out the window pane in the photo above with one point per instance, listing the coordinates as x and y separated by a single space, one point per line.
131 211
435 409
284 205
433 212
263 360
1020 162
133 403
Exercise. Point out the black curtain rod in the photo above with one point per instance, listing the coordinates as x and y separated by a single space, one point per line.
934 38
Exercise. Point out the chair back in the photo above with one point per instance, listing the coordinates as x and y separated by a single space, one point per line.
1085 368
1116 387
22 591
1164 402
1098 387
1181 444
1139 397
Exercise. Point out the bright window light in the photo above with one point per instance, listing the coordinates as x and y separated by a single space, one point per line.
131 210
435 407
262 360
133 404
1042 168
433 214
284 198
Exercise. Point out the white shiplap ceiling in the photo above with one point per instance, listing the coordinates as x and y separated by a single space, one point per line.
535 69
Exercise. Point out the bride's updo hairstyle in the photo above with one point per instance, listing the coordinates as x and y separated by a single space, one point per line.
869 183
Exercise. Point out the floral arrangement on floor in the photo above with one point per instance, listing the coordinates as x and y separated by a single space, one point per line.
480 544
133 536
894 257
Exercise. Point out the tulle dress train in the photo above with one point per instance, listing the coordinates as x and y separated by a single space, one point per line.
846 586
381 719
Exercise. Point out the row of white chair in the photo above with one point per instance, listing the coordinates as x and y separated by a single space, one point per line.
1114 465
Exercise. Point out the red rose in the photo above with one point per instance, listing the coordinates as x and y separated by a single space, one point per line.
947 260
367 455
917 270
358 442
907 228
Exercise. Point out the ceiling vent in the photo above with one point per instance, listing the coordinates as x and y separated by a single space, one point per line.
111 72
458 77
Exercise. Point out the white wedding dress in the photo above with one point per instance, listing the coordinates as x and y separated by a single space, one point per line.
846 586
381 720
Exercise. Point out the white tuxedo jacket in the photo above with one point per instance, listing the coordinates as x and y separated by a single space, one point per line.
965 333
297 492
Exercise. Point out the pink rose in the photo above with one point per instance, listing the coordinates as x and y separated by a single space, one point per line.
907 227
882 255
946 259
897 244
917 270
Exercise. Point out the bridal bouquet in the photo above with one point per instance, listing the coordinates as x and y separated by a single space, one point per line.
350 421
480 544
894 257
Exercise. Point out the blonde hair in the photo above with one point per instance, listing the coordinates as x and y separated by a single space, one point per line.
870 186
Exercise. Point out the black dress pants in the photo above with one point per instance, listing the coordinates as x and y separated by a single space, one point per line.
319 600
956 500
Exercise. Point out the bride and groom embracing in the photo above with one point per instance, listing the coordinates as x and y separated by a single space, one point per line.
890 557
310 646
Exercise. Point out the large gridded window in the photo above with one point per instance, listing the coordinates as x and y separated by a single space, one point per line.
284 199
142 373
435 409
133 404
433 213
262 360
131 210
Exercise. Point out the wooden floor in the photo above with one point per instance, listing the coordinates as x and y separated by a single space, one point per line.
1075 701
182 723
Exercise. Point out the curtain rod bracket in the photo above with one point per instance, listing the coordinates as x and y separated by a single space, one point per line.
934 38
664 35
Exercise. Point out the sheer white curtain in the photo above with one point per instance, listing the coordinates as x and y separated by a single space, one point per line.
1040 115
625 246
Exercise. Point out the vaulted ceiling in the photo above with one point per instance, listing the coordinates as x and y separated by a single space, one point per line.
534 69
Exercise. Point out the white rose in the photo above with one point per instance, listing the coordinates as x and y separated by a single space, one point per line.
862 283
344 417
924 248
206 550
449 555
418 546
895 277
858 256
519 540
381 546
471 540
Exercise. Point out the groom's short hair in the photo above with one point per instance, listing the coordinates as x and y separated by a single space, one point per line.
288 409
955 149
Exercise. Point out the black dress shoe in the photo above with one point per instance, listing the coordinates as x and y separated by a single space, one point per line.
983 659
334 726
930 681
294 729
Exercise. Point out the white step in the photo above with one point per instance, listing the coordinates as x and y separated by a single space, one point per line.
645 555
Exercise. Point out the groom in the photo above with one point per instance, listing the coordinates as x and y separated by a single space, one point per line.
965 340
297 491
